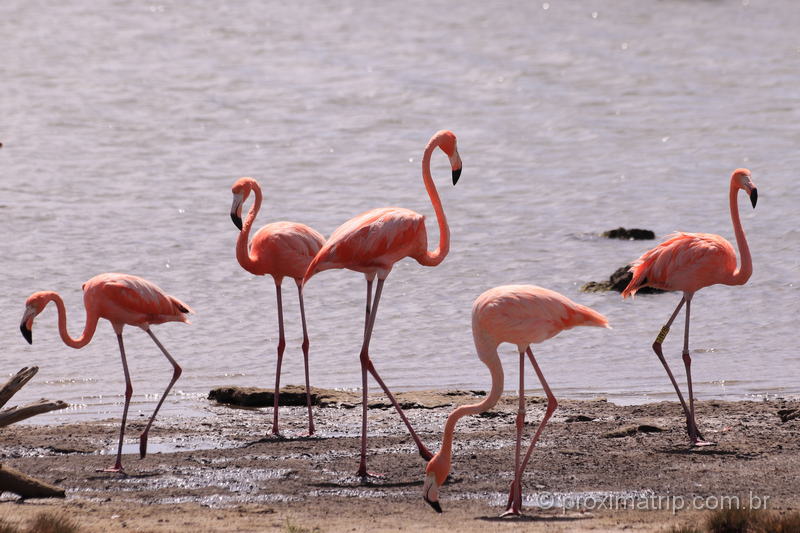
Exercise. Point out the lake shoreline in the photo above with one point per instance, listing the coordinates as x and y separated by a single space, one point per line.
222 472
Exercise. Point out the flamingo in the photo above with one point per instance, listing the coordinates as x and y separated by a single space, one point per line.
521 315
372 243
121 299
278 249
688 262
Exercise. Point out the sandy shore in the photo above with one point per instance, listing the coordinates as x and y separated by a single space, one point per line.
220 473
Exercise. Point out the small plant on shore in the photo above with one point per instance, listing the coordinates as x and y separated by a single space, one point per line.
732 521
745 521
52 523
290 527
43 523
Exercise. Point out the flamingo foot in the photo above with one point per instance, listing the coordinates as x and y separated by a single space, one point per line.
117 469
514 505
143 445
700 442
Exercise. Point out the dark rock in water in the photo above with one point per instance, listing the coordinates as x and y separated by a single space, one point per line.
631 430
258 397
617 282
633 234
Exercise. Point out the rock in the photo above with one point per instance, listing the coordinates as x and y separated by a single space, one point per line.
580 418
633 234
257 397
617 282
788 414
631 430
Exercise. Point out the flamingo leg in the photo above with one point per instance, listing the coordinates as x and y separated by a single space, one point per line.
176 373
128 393
694 433
660 354
552 404
305 359
367 366
515 493
281 347
369 301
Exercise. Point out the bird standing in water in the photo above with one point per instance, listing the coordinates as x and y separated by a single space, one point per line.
687 262
121 299
280 249
372 243
522 315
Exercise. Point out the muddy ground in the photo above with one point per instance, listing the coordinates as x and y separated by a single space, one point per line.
221 472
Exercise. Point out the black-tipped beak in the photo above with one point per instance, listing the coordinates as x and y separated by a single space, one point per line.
237 220
456 175
28 334
435 505
754 197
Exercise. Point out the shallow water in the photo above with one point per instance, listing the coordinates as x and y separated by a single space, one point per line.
124 126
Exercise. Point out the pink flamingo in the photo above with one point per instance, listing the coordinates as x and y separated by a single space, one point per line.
688 262
372 243
521 315
121 299
278 249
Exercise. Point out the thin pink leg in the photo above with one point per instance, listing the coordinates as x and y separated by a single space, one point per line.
660 354
369 302
176 373
305 359
423 451
552 404
367 366
515 493
281 347
128 393
694 433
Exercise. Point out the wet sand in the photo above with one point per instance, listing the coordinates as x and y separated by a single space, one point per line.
221 472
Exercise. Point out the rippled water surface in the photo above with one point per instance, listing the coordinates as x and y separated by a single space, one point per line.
125 124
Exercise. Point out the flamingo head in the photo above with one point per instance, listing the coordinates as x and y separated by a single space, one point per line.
435 475
743 180
447 142
34 305
241 190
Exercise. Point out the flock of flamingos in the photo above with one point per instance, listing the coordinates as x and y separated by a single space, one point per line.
371 243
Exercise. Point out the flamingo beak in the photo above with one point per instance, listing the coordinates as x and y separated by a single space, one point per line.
754 197
26 325
26 332
455 165
236 210
428 487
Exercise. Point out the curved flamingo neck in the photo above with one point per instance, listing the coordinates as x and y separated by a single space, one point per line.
437 256
88 329
491 359
742 274
242 243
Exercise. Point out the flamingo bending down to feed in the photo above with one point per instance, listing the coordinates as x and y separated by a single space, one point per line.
371 243
521 315
121 299
688 262
278 249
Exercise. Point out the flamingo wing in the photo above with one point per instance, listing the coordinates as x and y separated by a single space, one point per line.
134 300
685 262
374 240
524 314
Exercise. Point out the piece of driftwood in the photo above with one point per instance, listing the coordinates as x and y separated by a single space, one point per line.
12 480
16 383
15 414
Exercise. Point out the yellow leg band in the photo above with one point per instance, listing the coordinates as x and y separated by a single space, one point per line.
662 334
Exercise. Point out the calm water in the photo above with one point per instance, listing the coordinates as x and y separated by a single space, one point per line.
125 124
